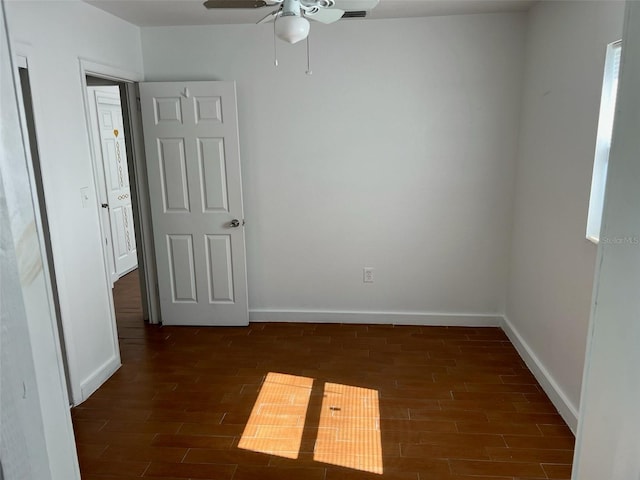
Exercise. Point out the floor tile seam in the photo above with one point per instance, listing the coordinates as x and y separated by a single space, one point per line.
147 468
187 450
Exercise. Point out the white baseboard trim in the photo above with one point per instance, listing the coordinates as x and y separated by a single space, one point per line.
97 378
565 407
388 318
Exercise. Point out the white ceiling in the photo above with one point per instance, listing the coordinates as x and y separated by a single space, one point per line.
150 13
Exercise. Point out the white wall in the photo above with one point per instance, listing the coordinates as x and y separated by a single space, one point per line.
56 35
397 153
552 264
608 440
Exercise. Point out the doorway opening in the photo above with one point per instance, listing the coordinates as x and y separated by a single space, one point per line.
110 130
112 178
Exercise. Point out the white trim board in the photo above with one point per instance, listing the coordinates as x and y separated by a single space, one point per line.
364 317
565 407
106 71
98 377
110 72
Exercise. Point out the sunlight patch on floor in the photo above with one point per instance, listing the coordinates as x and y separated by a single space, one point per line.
348 432
354 414
277 420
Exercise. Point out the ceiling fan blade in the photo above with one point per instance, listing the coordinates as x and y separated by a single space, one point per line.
354 5
235 3
326 15
269 18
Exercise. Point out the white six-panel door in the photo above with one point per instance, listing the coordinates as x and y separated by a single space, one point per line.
110 137
193 164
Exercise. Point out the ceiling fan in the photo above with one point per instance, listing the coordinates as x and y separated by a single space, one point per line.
291 15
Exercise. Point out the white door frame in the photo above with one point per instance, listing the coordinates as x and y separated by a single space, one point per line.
139 188
92 68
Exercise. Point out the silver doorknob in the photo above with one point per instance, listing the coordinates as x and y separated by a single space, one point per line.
234 223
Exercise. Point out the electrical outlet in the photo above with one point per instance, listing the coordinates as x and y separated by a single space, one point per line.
367 274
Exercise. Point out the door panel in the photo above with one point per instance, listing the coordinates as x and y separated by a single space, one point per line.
213 173
193 162
182 268
116 179
167 110
208 109
220 271
173 169
119 216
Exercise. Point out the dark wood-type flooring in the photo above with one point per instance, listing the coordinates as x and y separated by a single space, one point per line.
317 402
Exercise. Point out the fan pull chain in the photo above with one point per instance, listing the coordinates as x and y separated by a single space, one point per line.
308 72
275 45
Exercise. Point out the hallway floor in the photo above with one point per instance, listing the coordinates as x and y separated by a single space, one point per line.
317 402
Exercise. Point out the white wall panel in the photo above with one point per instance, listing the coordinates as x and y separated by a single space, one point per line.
58 35
552 264
608 440
397 153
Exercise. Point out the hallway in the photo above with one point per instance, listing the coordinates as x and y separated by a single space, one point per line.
127 300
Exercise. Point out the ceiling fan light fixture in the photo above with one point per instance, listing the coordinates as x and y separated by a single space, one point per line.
292 28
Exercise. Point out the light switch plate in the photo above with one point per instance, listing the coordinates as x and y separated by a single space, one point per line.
84 195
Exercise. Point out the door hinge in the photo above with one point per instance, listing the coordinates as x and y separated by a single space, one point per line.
139 104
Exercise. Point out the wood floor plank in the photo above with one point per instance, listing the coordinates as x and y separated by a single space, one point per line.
428 403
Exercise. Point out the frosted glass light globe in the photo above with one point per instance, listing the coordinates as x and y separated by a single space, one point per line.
292 28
